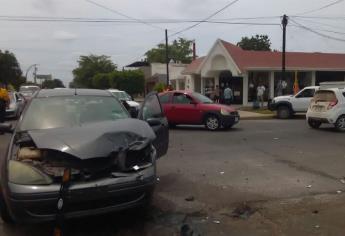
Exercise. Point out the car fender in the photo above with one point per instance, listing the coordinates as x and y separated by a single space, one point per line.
207 113
284 103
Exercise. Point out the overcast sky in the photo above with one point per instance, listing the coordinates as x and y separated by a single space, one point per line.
56 46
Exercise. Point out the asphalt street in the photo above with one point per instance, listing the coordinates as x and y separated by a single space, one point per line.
264 177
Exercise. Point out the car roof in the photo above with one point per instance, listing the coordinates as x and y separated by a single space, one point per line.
71 92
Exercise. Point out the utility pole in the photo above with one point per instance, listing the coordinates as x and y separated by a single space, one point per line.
284 23
167 55
35 75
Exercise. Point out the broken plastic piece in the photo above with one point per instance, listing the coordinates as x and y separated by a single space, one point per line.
216 221
308 186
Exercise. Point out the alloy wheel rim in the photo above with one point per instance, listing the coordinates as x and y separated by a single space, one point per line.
341 123
212 123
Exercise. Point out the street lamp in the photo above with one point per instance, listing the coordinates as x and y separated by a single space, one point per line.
27 71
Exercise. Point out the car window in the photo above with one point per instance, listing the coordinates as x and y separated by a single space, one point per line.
57 112
324 96
180 98
152 108
307 93
164 98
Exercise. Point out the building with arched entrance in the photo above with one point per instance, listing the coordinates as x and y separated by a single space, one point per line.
228 65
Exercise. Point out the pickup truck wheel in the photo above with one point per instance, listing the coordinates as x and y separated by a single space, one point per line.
340 124
212 122
284 112
314 124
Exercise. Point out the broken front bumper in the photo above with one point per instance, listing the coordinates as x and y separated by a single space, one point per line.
38 203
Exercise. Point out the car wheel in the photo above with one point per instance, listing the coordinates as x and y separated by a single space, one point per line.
314 124
340 124
5 215
284 112
212 122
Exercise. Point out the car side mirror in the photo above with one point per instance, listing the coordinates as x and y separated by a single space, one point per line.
154 121
6 128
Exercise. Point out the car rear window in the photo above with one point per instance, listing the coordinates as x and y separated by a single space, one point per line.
324 96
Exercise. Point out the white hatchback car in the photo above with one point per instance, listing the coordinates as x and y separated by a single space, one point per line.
327 106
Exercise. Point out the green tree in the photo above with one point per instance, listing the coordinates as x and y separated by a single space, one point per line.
101 81
180 50
51 84
10 72
131 81
255 43
159 87
88 67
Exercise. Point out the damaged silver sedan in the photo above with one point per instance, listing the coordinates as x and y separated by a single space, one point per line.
78 153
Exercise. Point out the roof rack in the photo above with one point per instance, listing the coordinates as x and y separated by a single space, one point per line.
326 85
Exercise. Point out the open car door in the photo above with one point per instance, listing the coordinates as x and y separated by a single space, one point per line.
151 111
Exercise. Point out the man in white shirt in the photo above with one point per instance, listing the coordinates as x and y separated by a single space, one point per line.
260 94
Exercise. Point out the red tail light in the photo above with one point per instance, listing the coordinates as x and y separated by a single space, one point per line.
332 104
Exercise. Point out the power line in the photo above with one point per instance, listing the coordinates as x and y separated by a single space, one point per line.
207 18
121 14
316 32
320 23
321 8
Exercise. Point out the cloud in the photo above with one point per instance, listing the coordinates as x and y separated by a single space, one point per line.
45 5
64 35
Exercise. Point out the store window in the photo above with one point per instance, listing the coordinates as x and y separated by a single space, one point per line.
286 87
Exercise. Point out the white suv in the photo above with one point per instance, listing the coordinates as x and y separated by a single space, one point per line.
327 106
286 106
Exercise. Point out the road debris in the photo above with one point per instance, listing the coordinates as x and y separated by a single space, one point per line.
189 199
222 172
317 226
315 212
276 138
216 221
339 192
342 180
243 212
308 186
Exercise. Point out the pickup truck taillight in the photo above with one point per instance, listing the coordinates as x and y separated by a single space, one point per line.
332 104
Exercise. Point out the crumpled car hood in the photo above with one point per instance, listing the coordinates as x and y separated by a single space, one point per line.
95 139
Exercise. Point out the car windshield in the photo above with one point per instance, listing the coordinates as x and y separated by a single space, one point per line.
57 112
122 96
324 96
201 98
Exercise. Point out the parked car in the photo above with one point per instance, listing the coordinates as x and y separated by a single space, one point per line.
287 106
80 145
17 104
327 106
132 106
191 108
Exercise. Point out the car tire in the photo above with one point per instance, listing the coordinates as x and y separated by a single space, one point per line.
284 112
314 124
212 122
340 124
5 215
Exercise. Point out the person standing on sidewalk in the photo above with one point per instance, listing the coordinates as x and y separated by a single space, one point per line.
4 102
260 94
228 95
216 94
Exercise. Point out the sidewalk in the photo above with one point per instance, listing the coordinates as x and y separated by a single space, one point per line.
247 115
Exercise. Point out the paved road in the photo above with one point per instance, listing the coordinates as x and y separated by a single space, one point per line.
281 169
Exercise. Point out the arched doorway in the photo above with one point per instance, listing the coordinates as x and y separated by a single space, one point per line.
235 83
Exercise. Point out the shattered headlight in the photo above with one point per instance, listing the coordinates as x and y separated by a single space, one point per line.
21 173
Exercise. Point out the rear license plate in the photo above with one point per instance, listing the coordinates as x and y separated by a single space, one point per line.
318 108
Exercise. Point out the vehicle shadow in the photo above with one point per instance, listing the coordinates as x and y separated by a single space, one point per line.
202 128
